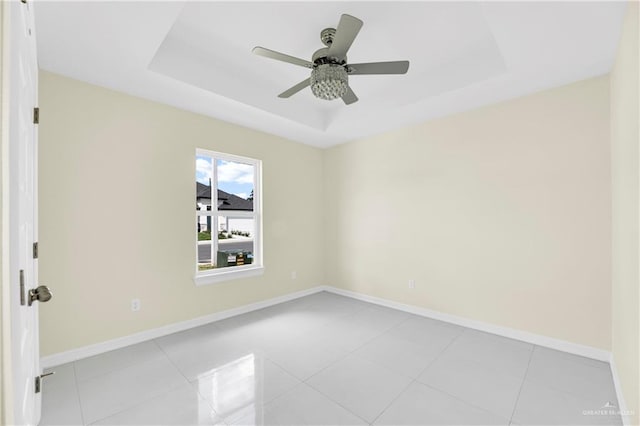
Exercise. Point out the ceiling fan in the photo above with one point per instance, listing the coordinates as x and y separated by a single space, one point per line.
329 68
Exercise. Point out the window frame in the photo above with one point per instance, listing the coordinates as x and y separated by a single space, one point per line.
212 276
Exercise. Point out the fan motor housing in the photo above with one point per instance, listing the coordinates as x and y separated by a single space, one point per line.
320 56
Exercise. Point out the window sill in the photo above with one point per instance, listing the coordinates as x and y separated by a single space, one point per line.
206 278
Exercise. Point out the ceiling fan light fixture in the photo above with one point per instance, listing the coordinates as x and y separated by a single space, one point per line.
329 81
329 66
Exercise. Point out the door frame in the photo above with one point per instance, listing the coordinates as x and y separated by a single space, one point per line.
10 210
6 384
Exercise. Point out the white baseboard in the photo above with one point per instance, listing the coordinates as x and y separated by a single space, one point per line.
622 406
536 339
109 345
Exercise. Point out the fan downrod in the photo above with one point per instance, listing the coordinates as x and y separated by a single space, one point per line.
320 56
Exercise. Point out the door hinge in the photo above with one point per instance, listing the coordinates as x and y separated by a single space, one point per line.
38 381
35 250
22 294
36 115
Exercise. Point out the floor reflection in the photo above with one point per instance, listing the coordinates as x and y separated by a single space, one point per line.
236 390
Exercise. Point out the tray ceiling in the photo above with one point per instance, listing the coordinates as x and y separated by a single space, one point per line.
197 56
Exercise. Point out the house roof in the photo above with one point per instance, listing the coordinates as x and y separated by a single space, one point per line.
226 201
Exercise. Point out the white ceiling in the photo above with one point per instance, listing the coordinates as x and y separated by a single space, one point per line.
197 56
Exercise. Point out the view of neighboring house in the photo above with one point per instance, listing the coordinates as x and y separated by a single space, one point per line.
227 203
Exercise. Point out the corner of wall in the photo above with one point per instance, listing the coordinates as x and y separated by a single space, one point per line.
625 161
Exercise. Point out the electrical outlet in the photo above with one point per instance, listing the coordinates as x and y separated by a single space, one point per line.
135 305
412 284
294 275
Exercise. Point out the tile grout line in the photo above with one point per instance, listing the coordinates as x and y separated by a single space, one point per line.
171 389
187 379
321 393
336 402
75 380
355 350
262 405
440 354
524 378
384 410
169 359
339 316
300 381
115 369
464 402
305 381
415 379
559 389
133 406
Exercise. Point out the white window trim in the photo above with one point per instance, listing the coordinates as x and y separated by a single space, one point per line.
213 276
228 213
205 278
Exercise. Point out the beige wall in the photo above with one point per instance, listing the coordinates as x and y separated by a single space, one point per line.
117 214
500 214
625 142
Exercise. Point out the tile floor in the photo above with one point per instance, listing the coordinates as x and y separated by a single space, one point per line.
330 360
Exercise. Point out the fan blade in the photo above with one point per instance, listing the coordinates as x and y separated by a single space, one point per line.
348 29
396 67
267 53
295 89
349 97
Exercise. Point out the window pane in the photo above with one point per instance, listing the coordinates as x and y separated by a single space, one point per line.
225 221
204 176
205 224
235 186
235 241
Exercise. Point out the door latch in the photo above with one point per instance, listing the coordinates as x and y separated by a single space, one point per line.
38 384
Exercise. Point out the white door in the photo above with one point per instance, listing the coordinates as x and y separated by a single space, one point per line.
22 96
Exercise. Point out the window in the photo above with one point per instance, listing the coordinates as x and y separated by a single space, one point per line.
228 217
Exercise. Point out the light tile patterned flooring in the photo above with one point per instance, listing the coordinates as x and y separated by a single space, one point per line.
330 360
